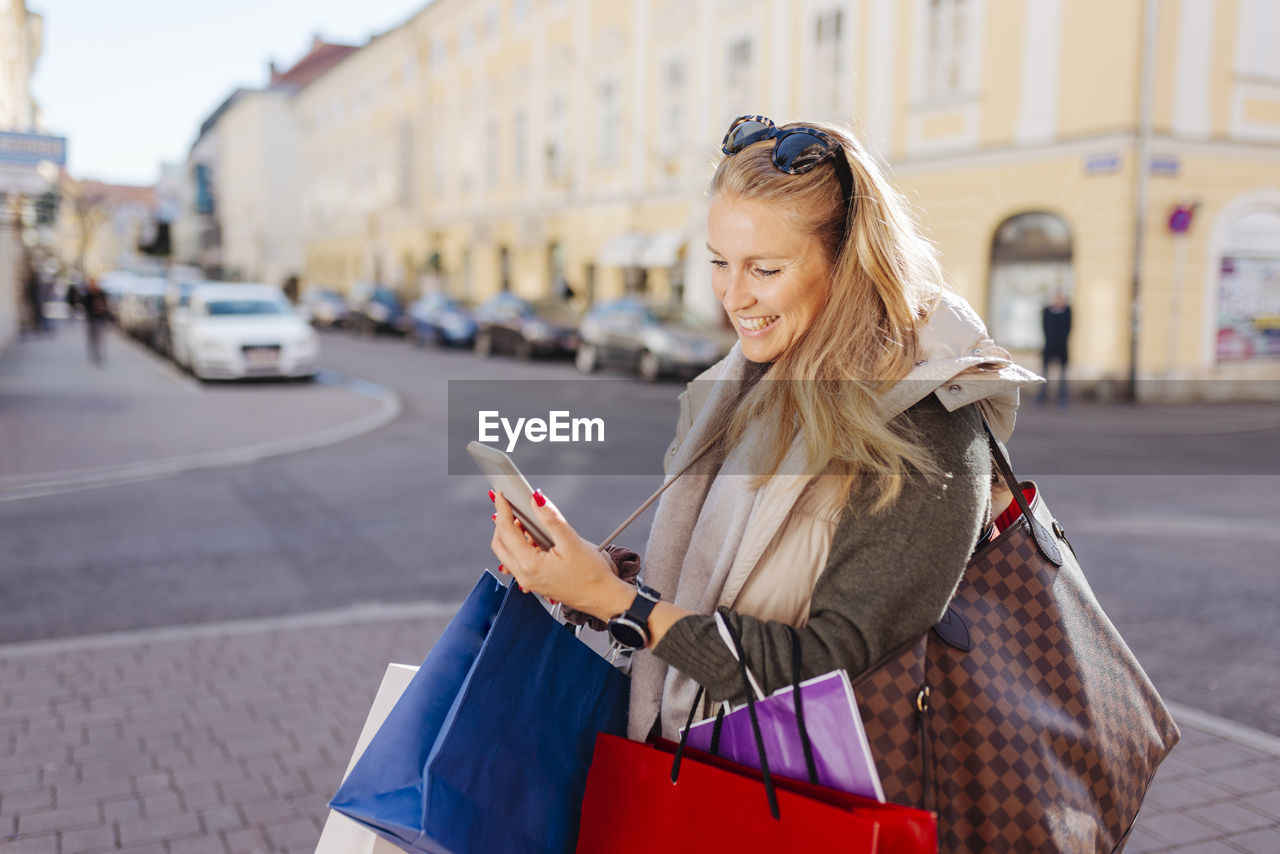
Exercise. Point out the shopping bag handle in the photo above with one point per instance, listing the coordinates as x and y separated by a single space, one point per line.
748 685
806 745
810 766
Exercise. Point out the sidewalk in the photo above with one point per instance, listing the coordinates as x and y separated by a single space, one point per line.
68 424
231 739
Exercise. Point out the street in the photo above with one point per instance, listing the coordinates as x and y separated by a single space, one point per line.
1184 563
202 583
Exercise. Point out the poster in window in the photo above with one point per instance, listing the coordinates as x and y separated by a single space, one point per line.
1248 309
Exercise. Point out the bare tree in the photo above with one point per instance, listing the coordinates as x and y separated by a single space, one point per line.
88 203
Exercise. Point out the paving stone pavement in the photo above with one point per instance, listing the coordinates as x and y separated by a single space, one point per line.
230 739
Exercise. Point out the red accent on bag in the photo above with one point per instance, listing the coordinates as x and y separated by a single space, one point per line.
632 807
1013 511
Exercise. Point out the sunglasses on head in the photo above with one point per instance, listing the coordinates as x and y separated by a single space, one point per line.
795 150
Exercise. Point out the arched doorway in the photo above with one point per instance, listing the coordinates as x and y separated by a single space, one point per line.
1030 262
1246 304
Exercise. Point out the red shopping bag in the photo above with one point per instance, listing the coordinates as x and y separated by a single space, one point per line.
632 805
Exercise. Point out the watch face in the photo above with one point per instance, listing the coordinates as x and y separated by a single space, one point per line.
626 633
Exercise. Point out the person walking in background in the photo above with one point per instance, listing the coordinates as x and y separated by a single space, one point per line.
96 315
1056 320
33 295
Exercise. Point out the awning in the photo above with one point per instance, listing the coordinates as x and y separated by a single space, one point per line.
662 249
642 249
623 250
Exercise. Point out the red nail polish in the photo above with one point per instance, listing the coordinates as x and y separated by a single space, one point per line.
553 602
524 589
539 498
494 517
500 569
492 497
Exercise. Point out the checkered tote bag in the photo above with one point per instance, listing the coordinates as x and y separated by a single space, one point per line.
1022 718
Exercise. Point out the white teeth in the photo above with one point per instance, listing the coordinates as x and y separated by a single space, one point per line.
755 324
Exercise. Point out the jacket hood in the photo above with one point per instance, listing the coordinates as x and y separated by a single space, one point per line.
957 361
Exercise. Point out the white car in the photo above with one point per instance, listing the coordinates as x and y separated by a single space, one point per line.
236 330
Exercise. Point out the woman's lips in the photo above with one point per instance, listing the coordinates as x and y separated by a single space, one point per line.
757 325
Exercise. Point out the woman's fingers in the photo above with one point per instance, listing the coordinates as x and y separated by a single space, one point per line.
510 542
506 525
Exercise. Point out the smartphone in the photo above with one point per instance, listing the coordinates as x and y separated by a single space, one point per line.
504 477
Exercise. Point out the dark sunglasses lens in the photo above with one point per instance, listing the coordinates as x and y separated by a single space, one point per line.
745 134
799 152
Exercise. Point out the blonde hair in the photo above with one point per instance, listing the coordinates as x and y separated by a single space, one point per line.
885 277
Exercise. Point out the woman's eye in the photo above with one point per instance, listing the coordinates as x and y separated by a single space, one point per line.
718 264
766 274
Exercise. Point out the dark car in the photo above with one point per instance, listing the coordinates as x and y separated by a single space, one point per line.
438 318
376 311
509 324
652 342
323 308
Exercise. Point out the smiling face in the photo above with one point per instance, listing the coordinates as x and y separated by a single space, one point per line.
770 276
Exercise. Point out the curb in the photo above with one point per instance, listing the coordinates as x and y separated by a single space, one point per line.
367 612
24 487
1263 742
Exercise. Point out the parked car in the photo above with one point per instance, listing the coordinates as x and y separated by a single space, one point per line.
140 305
378 310
248 330
114 283
175 312
652 342
443 320
509 324
323 308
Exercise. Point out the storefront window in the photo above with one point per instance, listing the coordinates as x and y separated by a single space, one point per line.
1030 263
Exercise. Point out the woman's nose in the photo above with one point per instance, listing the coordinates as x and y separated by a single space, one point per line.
737 294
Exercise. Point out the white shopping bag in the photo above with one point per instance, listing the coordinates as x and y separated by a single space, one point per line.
341 835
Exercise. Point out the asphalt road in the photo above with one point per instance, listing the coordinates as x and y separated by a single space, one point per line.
1173 524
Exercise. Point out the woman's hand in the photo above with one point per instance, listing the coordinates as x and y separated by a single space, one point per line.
573 571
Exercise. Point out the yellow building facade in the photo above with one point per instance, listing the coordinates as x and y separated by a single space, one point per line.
562 147
359 137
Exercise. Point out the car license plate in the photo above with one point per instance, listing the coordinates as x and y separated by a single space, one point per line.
258 357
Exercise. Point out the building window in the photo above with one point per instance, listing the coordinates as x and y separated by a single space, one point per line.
609 111
738 89
1031 262
491 155
404 178
440 164
204 189
519 145
1258 24
949 40
557 142
673 114
1247 309
828 73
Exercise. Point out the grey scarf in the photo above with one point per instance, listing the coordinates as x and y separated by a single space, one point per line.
693 542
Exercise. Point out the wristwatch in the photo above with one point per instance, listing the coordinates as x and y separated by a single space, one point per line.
630 629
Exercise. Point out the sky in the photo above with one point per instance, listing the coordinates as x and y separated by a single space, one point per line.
128 82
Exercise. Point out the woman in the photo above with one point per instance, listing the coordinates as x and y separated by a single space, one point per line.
853 481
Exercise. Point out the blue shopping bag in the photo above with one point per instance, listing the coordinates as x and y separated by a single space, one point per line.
489 746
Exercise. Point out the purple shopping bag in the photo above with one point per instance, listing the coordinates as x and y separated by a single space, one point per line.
840 752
